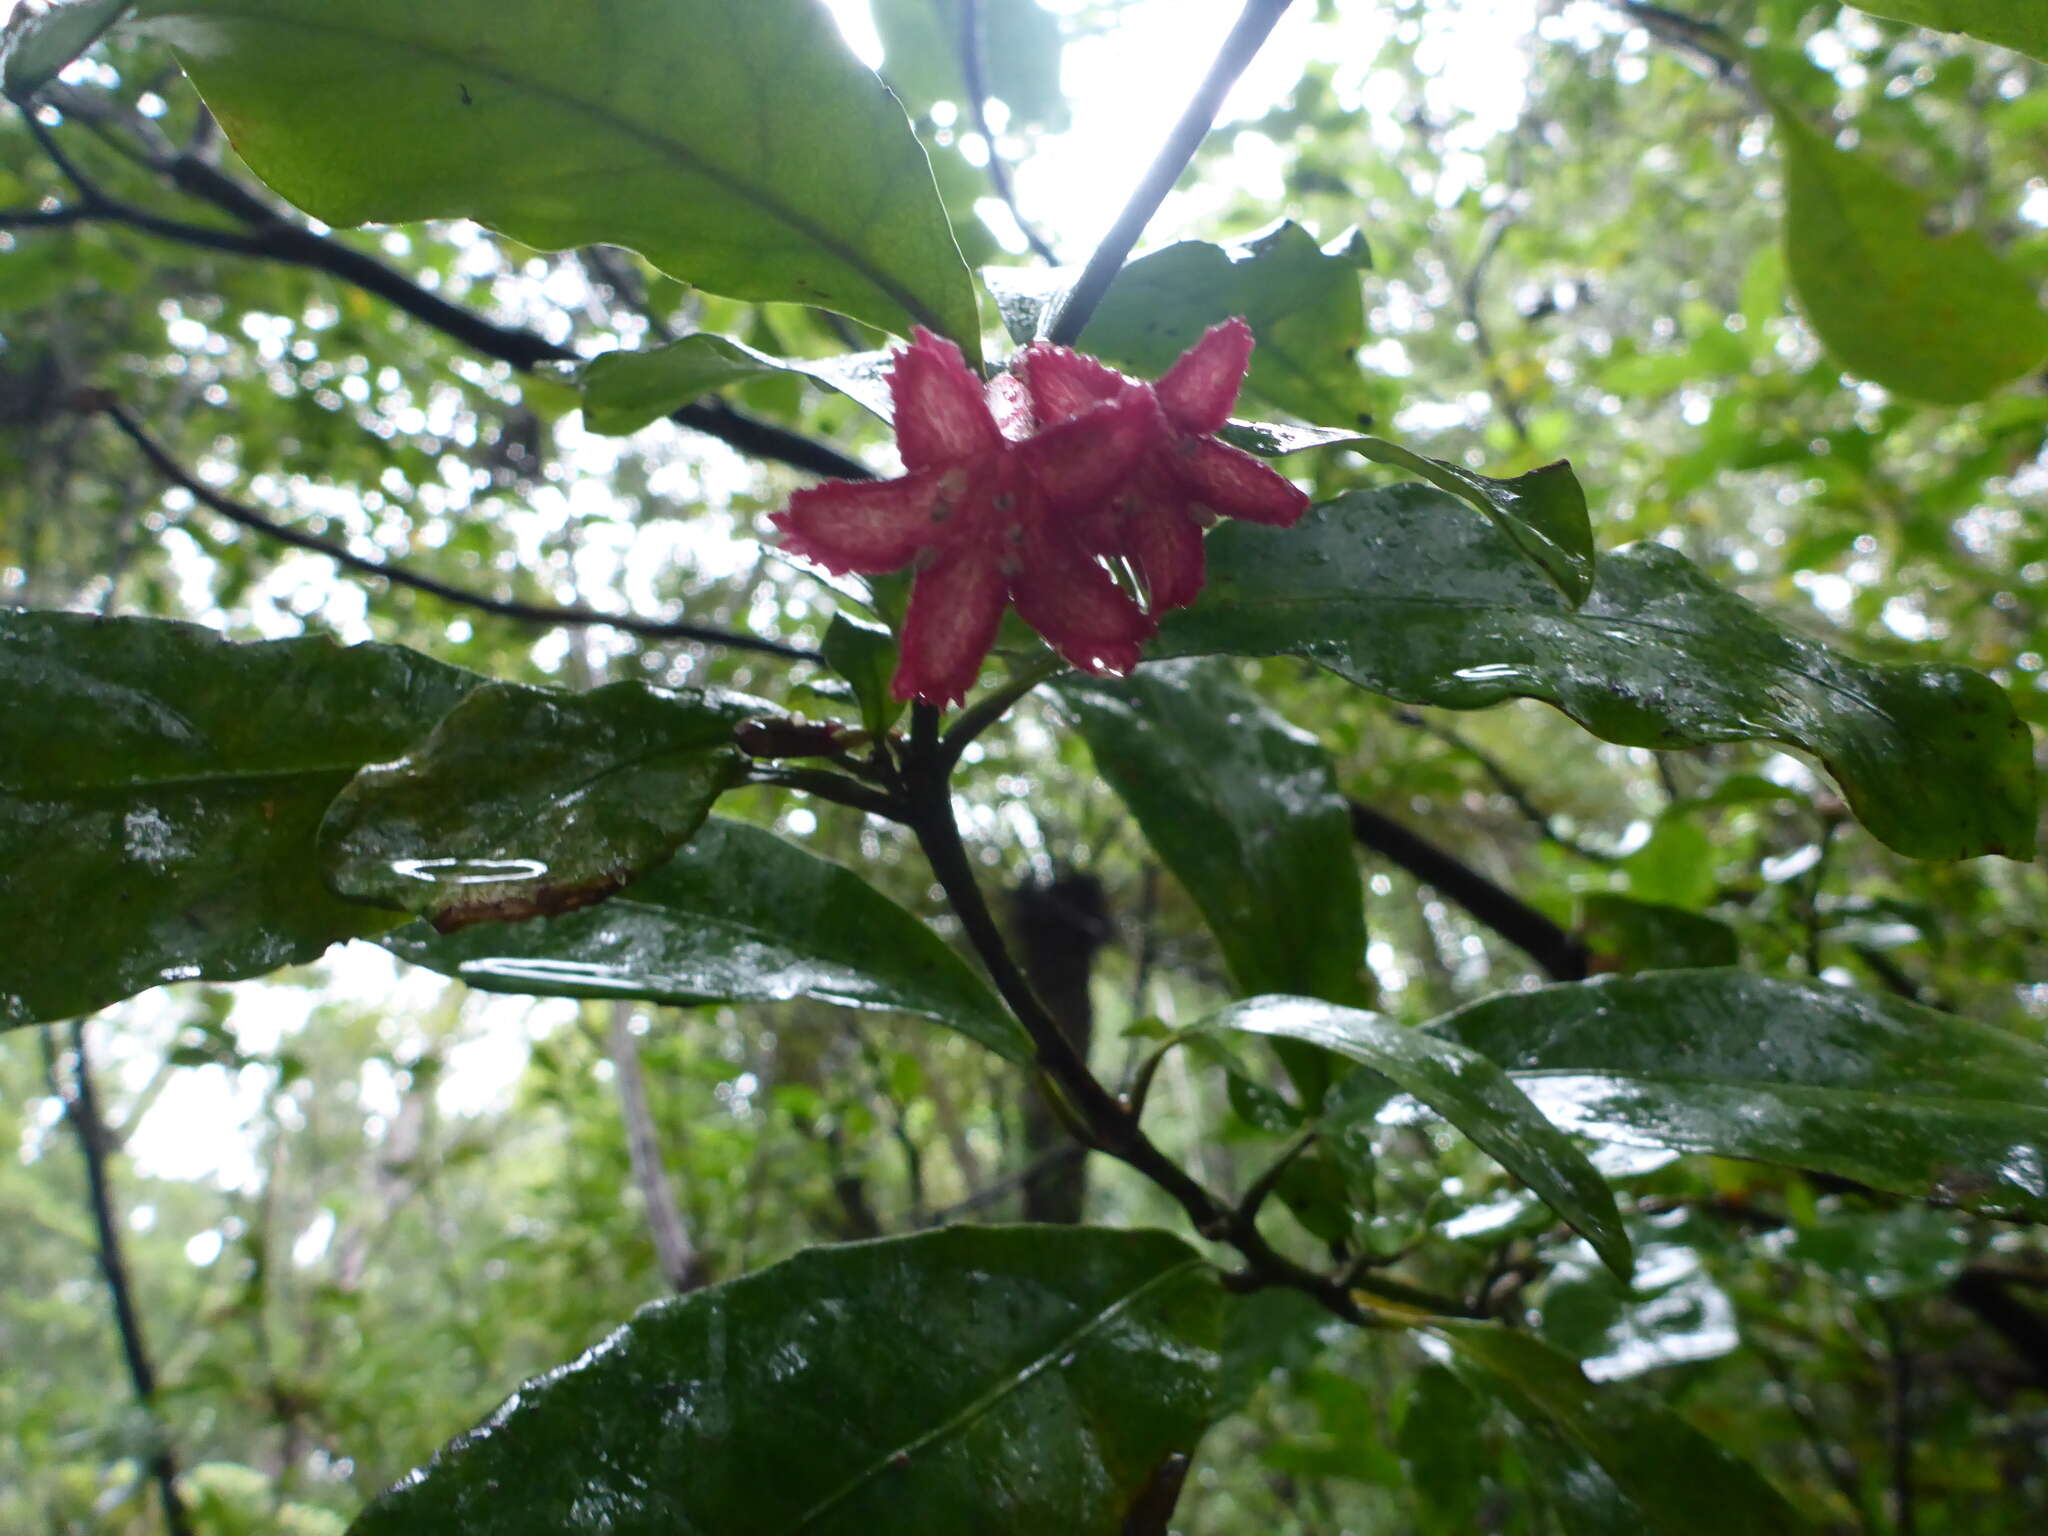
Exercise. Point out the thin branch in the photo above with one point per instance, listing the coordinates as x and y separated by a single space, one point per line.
827 785
973 46
991 707
1000 1189
1561 956
1899 1423
1703 40
1509 786
681 1264
529 613
1245 39
81 1108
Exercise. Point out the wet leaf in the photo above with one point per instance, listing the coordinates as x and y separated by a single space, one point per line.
738 915
1869 1088
739 148
865 655
1938 317
1018 1380
159 791
625 391
1402 592
1656 1459
1464 1087
2018 24
1629 935
525 802
1244 810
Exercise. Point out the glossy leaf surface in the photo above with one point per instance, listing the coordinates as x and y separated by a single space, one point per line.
1303 304
1017 1380
740 148
159 791
1683 1483
1244 809
1405 593
625 391
525 802
1468 1090
2020 24
738 915
1866 1087
1938 317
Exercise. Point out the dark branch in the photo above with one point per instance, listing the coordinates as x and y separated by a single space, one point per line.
81 1108
974 74
1245 40
528 613
1562 957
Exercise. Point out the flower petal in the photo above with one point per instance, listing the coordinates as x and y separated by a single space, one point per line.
1062 382
1084 615
1082 459
1163 543
955 604
941 417
1199 390
865 526
1233 484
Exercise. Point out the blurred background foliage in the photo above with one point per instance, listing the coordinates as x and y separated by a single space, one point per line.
358 1203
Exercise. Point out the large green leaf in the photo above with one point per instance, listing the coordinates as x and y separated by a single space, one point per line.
1464 1087
524 801
1244 809
738 147
1543 510
159 791
1020 55
2020 24
738 915
1402 592
1303 304
1683 1483
1939 317
1869 1088
1009 1381
624 391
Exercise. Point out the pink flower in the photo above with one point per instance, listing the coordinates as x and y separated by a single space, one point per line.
1015 494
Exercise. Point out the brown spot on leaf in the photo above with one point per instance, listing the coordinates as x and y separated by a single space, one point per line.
538 901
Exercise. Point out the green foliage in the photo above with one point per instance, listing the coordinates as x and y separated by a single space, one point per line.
2005 22
624 391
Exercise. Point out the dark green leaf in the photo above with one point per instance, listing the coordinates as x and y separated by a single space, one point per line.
159 791
1869 1088
1019 1380
1465 1088
1938 317
40 43
1244 809
738 915
1684 1483
624 391
1403 593
865 655
740 148
1543 511
2019 24
524 802
1303 305
1020 53
1444 1452
1629 935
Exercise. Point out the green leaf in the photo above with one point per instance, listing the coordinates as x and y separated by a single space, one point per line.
1244 810
1935 317
865 655
1012 1381
525 802
1020 52
624 391
1303 304
2017 24
1874 1089
738 915
1444 1453
157 815
1631 935
1402 594
1469 1091
1543 511
739 148
1684 1483
39 44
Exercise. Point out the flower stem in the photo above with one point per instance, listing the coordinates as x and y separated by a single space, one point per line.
1245 39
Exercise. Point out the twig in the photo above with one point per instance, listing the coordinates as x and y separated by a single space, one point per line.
1000 1189
1561 956
1245 39
530 613
1899 1429
1509 786
973 44
81 1108
681 1264
1703 40
991 707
